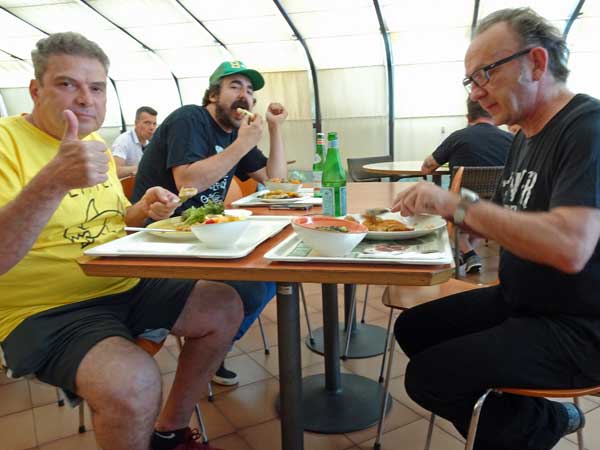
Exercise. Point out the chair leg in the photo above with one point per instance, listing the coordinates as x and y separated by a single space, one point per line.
264 336
385 346
429 431
580 443
81 428
475 420
362 318
201 423
303 298
386 388
349 327
211 396
59 400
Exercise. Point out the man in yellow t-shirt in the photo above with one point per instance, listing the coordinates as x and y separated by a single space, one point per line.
60 195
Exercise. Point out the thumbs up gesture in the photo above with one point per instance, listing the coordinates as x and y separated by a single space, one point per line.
79 163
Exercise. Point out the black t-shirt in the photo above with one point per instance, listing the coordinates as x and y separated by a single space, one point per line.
559 166
187 135
481 144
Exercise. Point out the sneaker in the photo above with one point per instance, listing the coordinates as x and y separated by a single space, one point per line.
576 418
473 264
225 377
193 441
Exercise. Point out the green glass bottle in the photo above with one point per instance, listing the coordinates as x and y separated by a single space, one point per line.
318 163
333 187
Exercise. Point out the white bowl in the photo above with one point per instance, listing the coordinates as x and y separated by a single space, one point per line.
278 186
329 243
220 235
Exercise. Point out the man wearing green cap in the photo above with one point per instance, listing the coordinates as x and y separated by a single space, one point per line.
205 147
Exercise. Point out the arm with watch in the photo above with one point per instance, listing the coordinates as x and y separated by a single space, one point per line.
561 238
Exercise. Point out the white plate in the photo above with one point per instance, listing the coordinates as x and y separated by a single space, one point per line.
276 201
187 235
422 224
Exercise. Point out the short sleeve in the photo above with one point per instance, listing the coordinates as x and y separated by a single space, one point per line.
577 179
11 178
119 147
187 139
253 160
443 152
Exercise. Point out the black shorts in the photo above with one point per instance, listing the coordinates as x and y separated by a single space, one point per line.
51 344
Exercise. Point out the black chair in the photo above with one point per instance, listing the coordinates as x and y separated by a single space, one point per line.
482 180
357 173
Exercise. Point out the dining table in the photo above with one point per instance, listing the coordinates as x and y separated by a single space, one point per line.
331 402
406 168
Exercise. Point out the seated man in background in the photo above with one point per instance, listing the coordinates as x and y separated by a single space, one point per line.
481 143
60 195
540 327
204 147
128 147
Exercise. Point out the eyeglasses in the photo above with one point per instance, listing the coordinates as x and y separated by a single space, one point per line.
481 77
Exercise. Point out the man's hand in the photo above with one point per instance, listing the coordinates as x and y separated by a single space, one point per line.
250 132
78 163
276 114
426 198
159 203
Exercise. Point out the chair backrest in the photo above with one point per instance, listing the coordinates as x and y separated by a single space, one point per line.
128 183
239 189
356 171
483 180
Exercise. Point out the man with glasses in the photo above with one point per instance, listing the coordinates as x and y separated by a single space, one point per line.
540 326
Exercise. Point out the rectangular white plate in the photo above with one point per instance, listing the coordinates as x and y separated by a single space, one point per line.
145 244
253 200
293 249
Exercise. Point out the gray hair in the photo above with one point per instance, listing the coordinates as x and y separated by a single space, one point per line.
68 43
534 31
145 109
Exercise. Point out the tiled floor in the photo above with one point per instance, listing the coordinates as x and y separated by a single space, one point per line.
244 417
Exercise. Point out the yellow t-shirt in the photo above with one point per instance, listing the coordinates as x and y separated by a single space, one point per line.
49 276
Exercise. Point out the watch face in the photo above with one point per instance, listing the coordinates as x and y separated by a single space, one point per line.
469 196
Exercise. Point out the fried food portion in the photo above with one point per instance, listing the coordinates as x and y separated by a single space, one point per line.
279 194
186 193
377 224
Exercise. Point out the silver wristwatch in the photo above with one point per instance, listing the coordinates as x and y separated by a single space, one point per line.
467 198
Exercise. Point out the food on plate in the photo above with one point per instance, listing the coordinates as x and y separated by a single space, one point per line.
336 228
374 223
185 193
246 113
212 212
284 180
279 194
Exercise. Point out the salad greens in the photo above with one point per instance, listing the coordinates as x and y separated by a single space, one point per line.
194 215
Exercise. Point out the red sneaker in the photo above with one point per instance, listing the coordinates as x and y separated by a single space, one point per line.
193 441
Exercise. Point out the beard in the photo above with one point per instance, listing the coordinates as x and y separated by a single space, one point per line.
224 113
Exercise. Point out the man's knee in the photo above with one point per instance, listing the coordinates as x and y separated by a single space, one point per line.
406 332
132 386
216 305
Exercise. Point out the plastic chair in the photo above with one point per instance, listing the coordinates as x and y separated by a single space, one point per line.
561 393
128 184
401 298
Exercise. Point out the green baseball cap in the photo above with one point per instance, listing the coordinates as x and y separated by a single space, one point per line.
232 67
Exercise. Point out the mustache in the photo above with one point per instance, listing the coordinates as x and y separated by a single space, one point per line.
240 104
